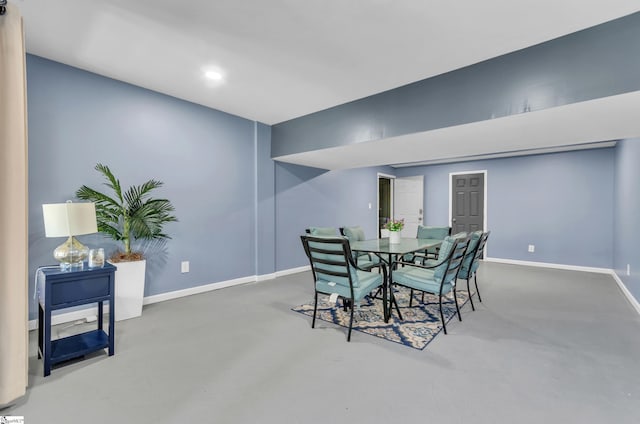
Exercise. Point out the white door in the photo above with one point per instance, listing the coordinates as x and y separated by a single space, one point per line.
408 203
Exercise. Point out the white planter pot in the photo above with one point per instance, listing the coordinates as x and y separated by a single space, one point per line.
129 283
394 237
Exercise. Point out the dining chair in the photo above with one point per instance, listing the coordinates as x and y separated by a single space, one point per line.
429 232
363 260
321 231
438 278
471 262
335 272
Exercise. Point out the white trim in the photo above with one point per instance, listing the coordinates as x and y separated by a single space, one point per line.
382 174
626 292
293 271
80 314
266 277
197 290
90 312
550 265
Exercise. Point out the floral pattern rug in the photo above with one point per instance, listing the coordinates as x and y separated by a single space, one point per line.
420 324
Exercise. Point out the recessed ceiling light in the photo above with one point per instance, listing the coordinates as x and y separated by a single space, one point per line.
213 75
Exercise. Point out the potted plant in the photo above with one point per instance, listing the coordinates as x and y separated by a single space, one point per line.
126 216
395 227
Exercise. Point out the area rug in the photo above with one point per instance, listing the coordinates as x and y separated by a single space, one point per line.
420 324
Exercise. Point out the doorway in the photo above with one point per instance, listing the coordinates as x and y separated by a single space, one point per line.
408 203
385 203
467 205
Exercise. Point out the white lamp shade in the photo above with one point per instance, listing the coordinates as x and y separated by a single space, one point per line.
69 219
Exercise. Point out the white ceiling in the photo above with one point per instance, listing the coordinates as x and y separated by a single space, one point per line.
282 59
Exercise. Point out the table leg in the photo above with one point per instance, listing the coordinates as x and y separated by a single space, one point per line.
40 332
389 309
100 315
46 341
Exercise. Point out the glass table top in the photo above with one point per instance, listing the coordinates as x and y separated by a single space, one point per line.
406 245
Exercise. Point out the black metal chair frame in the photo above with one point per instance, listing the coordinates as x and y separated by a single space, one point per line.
346 262
375 265
454 262
478 254
424 255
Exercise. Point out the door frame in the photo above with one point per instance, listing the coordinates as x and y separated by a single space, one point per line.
484 206
393 180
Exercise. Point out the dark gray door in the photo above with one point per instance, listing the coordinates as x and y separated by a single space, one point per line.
467 208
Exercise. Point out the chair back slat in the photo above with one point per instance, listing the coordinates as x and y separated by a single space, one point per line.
479 252
456 257
331 259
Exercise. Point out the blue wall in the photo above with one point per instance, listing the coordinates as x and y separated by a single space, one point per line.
597 62
241 214
313 197
207 160
627 214
562 203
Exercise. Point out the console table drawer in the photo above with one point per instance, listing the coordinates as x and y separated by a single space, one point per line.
73 291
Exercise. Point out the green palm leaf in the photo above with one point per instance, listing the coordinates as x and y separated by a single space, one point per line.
129 215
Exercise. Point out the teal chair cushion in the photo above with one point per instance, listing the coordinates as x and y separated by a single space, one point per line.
367 281
357 234
367 261
438 233
322 231
337 257
420 279
445 248
471 251
354 233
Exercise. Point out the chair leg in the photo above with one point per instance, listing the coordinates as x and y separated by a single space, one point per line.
475 280
350 325
455 298
393 299
422 300
411 298
315 308
470 295
444 325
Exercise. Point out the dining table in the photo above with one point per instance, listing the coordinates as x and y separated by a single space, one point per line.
388 254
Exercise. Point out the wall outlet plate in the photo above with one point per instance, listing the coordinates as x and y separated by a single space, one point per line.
184 267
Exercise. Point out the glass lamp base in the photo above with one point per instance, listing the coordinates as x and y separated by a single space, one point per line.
71 255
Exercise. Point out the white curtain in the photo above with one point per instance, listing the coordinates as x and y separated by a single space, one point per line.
14 338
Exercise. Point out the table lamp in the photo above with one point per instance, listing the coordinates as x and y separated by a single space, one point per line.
69 220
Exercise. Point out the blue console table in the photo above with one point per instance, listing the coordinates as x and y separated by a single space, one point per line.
64 289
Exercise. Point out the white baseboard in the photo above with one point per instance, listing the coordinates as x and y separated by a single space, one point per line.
550 265
293 271
82 314
197 290
78 315
626 292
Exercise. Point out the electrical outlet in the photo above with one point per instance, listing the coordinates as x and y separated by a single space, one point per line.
532 248
628 269
184 266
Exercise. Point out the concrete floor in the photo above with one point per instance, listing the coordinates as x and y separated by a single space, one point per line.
545 346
